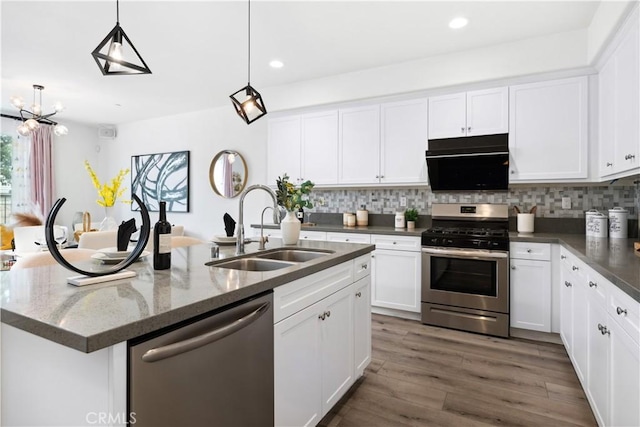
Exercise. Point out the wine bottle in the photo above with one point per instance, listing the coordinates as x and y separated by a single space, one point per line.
162 241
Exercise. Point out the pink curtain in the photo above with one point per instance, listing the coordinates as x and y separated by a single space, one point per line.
41 162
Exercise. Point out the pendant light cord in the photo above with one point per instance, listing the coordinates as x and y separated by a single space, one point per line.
117 11
249 45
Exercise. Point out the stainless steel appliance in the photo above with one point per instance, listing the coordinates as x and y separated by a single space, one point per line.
471 163
465 274
215 371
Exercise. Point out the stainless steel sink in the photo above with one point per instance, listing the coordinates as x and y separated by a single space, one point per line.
252 264
294 255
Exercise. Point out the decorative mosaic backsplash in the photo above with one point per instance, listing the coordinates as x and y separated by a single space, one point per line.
548 199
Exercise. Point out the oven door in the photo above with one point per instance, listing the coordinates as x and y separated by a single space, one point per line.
466 278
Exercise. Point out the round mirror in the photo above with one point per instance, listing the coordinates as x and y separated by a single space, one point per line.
228 173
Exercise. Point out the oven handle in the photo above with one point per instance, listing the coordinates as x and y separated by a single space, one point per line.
466 254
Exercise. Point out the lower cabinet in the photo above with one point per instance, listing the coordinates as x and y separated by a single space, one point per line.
320 350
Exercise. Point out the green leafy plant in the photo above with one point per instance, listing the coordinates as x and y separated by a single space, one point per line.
292 197
411 214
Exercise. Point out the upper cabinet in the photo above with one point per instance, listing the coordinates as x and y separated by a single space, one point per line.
480 112
283 149
619 104
359 145
548 131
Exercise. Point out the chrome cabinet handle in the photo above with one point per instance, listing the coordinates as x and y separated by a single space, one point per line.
567 284
574 268
394 243
629 156
322 316
328 313
528 251
605 331
364 266
621 311
359 294
609 164
469 129
373 256
600 327
563 257
462 129
346 240
592 284
377 176
513 267
381 176
512 171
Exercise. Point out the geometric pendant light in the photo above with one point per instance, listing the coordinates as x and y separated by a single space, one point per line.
247 101
116 55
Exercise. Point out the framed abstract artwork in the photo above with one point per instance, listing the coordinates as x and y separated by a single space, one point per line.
161 177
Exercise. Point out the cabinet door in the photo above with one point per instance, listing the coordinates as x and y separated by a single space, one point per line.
362 324
627 99
283 149
396 278
403 142
548 130
297 370
579 320
566 309
624 378
607 117
320 147
359 145
336 320
488 111
447 116
597 361
530 295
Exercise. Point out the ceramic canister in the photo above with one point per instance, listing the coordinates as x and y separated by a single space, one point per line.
362 217
589 216
618 219
599 225
345 218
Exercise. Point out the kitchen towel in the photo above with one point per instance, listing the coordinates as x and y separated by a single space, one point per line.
229 225
125 230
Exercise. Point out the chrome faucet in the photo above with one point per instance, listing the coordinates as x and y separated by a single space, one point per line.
263 239
276 217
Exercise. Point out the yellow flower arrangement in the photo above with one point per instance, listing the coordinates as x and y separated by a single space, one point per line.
108 193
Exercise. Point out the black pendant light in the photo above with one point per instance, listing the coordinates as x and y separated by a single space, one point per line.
109 54
247 101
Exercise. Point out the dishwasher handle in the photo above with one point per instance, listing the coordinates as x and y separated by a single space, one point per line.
164 352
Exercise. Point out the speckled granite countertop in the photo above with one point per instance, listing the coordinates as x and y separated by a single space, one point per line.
376 229
39 301
614 259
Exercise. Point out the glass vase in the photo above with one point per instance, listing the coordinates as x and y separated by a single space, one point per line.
108 223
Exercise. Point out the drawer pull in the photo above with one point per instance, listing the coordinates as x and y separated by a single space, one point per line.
346 240
600 327
592 284
604 330
364 266
359 294
328 313
528 251
621 311
567 284
394 243
563 257
574 268
513 267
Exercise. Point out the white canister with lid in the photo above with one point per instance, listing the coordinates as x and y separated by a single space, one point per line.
362 217
589 219
618 220
400 219
599 225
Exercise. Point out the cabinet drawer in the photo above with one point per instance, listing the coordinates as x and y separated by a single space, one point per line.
313 235
572 264
533 251
270 232
394 242
625 310
349 237
598 288
299 294
361 267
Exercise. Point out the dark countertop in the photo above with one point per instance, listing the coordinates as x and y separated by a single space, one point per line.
614 259
39 301
372 229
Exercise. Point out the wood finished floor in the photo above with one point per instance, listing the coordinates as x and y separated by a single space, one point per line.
428 376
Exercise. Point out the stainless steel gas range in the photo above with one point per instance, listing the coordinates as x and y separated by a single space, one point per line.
465 274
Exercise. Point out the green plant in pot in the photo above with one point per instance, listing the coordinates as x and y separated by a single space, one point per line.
411 215
292 198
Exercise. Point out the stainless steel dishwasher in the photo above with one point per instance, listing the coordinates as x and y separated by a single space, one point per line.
213 371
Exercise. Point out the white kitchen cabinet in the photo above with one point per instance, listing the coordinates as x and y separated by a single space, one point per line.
362 324
481 112
359 145
624 377
580 328
566 308
319 148
619 104
530 291
283 149
548 131
313 235
396 272
597 389
348 237
403 127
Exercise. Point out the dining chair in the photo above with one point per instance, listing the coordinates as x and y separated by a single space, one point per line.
180 241
39 259
98 239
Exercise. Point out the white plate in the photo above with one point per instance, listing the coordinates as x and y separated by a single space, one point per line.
113 259
115 253
224 240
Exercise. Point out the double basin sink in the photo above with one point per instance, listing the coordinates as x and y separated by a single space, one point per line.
271 260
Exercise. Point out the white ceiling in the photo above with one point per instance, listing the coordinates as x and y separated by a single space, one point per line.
197 50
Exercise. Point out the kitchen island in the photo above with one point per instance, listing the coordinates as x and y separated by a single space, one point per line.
64 349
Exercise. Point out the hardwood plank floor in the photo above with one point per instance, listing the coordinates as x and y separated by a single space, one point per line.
428 376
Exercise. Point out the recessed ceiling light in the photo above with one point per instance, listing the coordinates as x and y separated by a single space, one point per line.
276 64
458 23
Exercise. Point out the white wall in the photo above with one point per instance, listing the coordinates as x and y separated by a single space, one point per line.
607 19
204 134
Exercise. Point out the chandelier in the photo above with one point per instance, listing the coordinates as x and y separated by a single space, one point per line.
31 119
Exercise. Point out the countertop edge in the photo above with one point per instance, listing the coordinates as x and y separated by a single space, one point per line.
376 229
88 344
